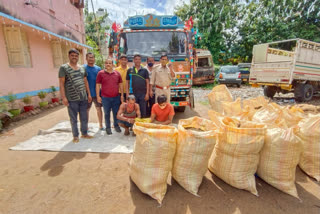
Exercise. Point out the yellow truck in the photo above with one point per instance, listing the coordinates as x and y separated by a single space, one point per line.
287 66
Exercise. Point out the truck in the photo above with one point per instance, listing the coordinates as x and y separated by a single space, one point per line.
287 66
204 68
154 35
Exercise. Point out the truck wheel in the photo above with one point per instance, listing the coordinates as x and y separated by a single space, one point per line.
180 108
269 91
303 92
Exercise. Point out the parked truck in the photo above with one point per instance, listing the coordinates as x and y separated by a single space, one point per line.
287 66
153 35
204 68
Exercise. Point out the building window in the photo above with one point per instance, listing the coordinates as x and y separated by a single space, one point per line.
60 53
17 45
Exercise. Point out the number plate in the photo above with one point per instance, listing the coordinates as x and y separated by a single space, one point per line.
182 82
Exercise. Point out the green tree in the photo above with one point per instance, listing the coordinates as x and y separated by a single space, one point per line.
230 28
95 33
216 20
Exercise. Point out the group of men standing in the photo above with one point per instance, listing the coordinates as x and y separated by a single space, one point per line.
128 92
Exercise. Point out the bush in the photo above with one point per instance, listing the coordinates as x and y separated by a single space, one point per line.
42 95
53 90
27 100
11 98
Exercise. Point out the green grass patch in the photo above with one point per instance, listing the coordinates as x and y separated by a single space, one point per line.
205 103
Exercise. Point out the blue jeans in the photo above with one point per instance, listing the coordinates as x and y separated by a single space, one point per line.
74 108
111 103
142 104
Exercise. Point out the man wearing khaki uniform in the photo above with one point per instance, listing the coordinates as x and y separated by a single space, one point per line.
161 78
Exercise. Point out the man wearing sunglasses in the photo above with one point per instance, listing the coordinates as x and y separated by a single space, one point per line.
162 112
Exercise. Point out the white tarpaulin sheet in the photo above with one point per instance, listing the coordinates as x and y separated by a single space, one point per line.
59 138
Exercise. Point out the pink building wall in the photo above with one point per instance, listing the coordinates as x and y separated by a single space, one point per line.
42 74
49 14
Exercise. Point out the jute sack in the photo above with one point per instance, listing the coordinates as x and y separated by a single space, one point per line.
235 156
232 108
216 117
309 133
256 102
194 148
152 158
271 115
218 95
279 158
292 115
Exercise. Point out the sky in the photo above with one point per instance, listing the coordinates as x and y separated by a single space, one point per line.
119 10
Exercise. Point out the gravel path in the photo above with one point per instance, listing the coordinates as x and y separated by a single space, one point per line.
246 92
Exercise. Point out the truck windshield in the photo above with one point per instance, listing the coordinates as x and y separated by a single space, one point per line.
147 43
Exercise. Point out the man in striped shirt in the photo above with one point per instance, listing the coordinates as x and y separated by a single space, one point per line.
75 94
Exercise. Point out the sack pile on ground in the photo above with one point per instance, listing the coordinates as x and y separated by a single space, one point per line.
162 149
292 137
242 137
235 157
196 140
152 158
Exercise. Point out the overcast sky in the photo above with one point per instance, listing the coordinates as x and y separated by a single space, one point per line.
119 10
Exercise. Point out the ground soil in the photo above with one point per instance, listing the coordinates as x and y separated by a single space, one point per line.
68 182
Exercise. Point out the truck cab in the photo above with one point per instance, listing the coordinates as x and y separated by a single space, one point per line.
205 68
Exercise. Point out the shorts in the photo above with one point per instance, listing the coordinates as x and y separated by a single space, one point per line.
96 104
125 123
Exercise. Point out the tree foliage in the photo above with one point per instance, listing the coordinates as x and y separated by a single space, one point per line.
230 28
95 33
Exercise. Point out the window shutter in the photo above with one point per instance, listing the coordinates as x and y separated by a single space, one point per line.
14 46
57 54
26 49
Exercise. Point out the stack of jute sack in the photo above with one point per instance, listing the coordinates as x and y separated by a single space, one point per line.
161 149
258 136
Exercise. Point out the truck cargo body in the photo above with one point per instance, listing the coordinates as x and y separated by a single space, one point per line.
287 66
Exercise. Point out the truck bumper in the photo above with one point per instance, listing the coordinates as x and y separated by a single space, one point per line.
230 81
203 80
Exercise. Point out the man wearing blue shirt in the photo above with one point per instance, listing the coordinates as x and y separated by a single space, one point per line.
92 71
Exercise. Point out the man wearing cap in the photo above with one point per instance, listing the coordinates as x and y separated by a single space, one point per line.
122 69
137 83
161 78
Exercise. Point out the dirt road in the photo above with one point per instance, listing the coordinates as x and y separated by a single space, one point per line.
65 182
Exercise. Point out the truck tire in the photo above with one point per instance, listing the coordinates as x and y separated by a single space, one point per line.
303 92
269 91
180 108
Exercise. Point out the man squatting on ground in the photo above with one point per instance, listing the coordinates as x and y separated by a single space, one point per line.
162 77
137 83
92 71
162 112
75 94
110 82
127 113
